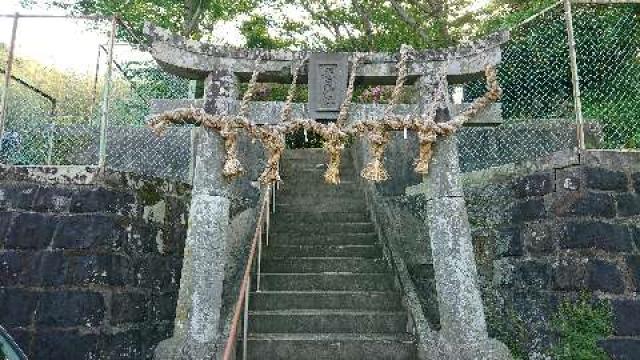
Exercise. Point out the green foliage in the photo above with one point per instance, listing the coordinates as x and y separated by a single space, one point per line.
505 14
145 81
579 325
610 71
383 25
149 194
276 92
298 140
256 33
506 325
192 18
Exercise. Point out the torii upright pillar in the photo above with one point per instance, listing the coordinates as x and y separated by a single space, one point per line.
196 333
463 334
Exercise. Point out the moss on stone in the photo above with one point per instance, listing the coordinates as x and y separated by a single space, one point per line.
579 325
507 326
149 194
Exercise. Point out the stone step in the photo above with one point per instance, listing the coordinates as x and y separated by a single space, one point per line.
322 251
318 184
331 347
322 207
310 217
311 197
327 321
326 282
290 185
326 239
296 168
299 228
297 176
325 265
346 300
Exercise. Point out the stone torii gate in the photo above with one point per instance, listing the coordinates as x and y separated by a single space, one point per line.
197 334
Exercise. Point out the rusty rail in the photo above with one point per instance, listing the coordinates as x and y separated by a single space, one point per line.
245 287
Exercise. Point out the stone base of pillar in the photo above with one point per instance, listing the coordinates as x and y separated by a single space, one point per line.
489 349
177 348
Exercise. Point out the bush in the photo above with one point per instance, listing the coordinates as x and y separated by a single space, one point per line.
579 325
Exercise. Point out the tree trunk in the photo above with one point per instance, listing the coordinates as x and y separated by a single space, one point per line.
193 10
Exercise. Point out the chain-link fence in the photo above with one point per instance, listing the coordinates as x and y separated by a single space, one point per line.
64 99
607 48
61 108
536 107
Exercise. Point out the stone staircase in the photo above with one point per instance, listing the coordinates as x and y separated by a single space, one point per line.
326 292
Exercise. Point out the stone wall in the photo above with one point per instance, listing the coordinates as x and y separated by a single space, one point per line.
89 264
547 231
543 232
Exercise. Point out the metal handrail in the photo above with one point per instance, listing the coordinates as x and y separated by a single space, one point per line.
243 296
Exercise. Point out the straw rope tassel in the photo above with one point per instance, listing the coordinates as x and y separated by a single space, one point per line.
232 166
335 134
334 139
333 145
375 171
287 109
274 144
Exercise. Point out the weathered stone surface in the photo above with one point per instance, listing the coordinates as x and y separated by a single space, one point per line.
461 313
46 268
529 210
64 345
163 305
564 255
195 60
106 232
128 344
585 204
533 185
100 200
198 311
603 179
635 178
129 307
18 305
69 308
621 348
605 276
626 315
509 242
539 238
463 333
52 199
66 278
633 263
98 269
12 264
568 179
6 219
533 273
570 274
628 204
599 235
328 77
31 231
17 196
157 272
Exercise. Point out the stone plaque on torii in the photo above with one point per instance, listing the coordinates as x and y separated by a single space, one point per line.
463 332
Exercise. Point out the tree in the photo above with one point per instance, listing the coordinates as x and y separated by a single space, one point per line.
191 18
385 25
